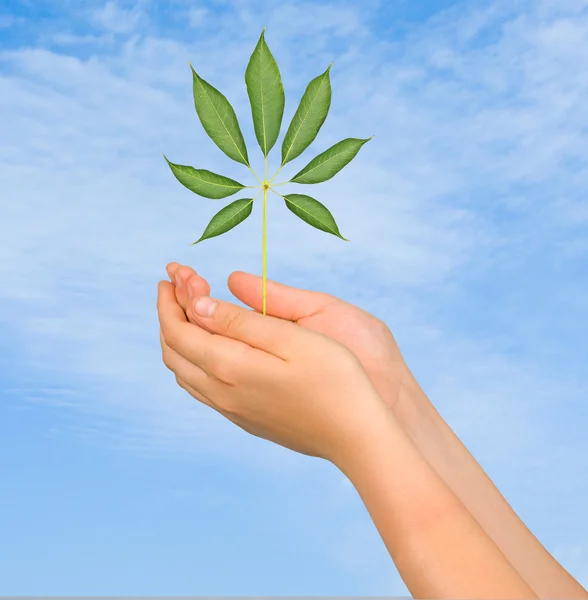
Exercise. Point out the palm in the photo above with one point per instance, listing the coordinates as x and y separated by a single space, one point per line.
369 339
361 332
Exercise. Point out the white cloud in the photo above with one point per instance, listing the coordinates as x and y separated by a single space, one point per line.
197 16
114 18
73 119
101 155
477 171
67 39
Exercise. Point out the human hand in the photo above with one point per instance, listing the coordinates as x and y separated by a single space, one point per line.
365 335
271 377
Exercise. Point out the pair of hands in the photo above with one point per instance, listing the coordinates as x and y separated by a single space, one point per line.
315 374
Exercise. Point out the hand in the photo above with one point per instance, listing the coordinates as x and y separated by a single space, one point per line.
365 335
274 379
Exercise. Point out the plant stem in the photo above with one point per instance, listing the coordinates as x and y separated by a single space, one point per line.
276 174
283 183
255 174
263 252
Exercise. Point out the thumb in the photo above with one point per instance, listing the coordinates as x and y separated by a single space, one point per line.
267 333
282 301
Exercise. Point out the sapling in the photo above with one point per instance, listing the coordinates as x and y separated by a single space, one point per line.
267 99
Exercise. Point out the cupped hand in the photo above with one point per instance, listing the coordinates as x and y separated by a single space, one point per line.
369 338
274 379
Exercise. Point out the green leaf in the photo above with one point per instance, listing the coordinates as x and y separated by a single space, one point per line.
204 183
309 117
266 95
313 212
228 217
219 119
330 162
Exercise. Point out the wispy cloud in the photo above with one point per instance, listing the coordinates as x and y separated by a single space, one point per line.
7 21
197 16
114 17
467 215
478 140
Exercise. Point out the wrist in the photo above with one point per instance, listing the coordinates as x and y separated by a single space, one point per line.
380 434
437 545
388 470
410 405
375 422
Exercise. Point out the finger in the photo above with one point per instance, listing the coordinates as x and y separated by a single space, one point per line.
231 417
185 372
282 301
174 269
195 393
222 358
171 268
184 273
274 336
184 369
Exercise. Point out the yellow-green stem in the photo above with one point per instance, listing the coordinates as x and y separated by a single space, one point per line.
254 174
263 247
276 174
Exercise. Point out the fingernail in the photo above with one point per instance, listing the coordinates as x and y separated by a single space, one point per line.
205 306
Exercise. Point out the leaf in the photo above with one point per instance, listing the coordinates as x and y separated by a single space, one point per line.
228 217
313 212
330 162
308 118
204 183
266 95
219 119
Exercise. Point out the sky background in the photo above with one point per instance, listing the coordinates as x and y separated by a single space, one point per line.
468 222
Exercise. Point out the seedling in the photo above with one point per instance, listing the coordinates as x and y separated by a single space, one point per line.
267 98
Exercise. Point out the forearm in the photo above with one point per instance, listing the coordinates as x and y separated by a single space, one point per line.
440 550
457 467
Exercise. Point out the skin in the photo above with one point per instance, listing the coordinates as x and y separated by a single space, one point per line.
372 344
239 362
307 392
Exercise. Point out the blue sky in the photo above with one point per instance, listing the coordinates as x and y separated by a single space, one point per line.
468 222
